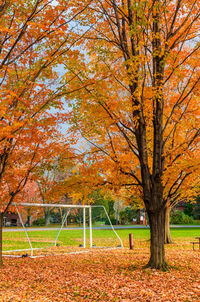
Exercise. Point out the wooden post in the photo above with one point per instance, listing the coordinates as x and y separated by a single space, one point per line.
131 241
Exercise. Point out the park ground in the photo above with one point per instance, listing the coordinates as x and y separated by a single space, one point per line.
107 275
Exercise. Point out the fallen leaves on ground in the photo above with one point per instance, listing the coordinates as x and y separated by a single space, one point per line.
113 275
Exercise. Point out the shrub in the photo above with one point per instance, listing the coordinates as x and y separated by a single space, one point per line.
179 217
113 221
39 222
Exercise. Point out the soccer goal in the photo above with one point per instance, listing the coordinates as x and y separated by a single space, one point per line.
47 229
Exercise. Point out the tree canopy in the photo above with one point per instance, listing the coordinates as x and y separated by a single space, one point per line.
139 107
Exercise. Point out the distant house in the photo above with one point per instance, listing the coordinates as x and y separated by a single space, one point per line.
11 219
180 205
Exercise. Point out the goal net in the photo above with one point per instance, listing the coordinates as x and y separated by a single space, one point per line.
48 229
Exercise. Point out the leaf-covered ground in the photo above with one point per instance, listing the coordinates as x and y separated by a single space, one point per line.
114 275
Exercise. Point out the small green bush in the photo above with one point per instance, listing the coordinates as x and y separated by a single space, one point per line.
113 221
179 217
39 222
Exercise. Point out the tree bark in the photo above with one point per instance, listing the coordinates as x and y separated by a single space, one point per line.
168 238
1 239
47 217
157 228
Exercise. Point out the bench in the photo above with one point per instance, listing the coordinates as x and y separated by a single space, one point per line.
196 242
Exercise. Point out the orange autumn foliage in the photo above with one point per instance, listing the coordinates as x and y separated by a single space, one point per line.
35 38
139 109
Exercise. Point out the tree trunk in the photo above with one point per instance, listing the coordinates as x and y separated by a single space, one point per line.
1 239
157 228
168 238
28 223
47 217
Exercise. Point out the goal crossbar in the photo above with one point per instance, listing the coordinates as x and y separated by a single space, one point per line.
52 205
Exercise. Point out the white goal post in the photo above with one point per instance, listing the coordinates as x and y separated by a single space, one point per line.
67 206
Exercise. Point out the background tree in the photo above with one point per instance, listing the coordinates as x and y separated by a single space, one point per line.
50 177
30 194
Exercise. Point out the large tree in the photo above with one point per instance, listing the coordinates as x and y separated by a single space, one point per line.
139 110
35 37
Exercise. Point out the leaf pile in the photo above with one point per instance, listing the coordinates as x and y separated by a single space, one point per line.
114 275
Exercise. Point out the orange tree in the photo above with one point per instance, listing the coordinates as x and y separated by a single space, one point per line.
29 194
35 38
139 110
39 145
44 182
50 179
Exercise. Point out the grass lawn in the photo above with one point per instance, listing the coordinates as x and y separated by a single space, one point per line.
40 238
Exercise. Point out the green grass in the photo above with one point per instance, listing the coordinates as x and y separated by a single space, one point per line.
197 222
39 238
185 232
145 233
18 240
